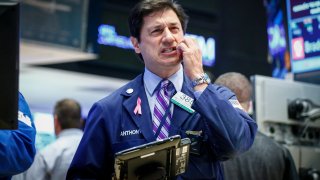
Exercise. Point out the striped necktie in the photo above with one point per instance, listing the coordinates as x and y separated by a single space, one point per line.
161 113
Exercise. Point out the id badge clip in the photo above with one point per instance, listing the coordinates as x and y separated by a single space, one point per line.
196 142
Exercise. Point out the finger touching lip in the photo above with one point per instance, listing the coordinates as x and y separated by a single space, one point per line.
182 46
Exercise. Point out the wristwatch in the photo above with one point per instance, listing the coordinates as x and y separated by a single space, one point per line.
202 79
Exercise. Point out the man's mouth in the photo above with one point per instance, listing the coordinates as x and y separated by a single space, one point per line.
168 50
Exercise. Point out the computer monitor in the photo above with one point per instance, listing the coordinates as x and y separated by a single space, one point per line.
44 124
162 159
9 64
271 101
271 107
304 38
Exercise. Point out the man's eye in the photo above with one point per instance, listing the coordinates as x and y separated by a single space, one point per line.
175 29
156 31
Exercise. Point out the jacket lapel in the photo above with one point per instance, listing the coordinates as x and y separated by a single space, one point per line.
144 120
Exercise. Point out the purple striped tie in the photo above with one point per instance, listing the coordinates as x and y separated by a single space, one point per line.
164 94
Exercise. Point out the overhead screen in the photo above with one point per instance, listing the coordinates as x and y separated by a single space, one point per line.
304 38
231 34
59 22
277 38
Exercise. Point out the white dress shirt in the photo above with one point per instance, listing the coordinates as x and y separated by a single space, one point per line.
53 161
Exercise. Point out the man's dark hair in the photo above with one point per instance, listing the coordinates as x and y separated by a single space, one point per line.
146 7
68 112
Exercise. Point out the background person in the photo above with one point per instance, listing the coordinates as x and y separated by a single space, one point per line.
266 159
53 161
143 108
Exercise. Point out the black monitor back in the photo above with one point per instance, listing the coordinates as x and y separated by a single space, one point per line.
9 64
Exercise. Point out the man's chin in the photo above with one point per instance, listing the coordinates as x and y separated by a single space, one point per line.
174 59
172 62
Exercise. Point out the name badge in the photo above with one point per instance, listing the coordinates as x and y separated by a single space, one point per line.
184 101
24 118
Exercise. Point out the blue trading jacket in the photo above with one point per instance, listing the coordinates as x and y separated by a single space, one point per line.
113 126
17 147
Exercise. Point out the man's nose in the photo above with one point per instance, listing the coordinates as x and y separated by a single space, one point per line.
168 37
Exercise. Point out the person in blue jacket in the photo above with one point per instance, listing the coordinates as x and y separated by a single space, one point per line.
211 114
17 147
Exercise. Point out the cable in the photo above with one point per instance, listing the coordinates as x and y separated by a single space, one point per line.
305 127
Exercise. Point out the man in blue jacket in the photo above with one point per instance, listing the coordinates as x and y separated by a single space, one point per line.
17 147
140 112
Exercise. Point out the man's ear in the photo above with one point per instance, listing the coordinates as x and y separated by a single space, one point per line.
57 126
135 44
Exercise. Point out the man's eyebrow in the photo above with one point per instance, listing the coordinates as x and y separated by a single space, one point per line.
173 23
161 25
156 26
153 27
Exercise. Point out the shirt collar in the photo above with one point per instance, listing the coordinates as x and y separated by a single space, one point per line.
152 80
70 131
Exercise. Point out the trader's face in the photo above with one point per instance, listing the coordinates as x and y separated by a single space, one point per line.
160 34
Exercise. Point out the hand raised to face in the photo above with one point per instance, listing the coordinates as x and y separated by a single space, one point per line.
191 57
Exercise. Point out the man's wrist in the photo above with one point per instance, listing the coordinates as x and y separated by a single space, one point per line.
201 79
